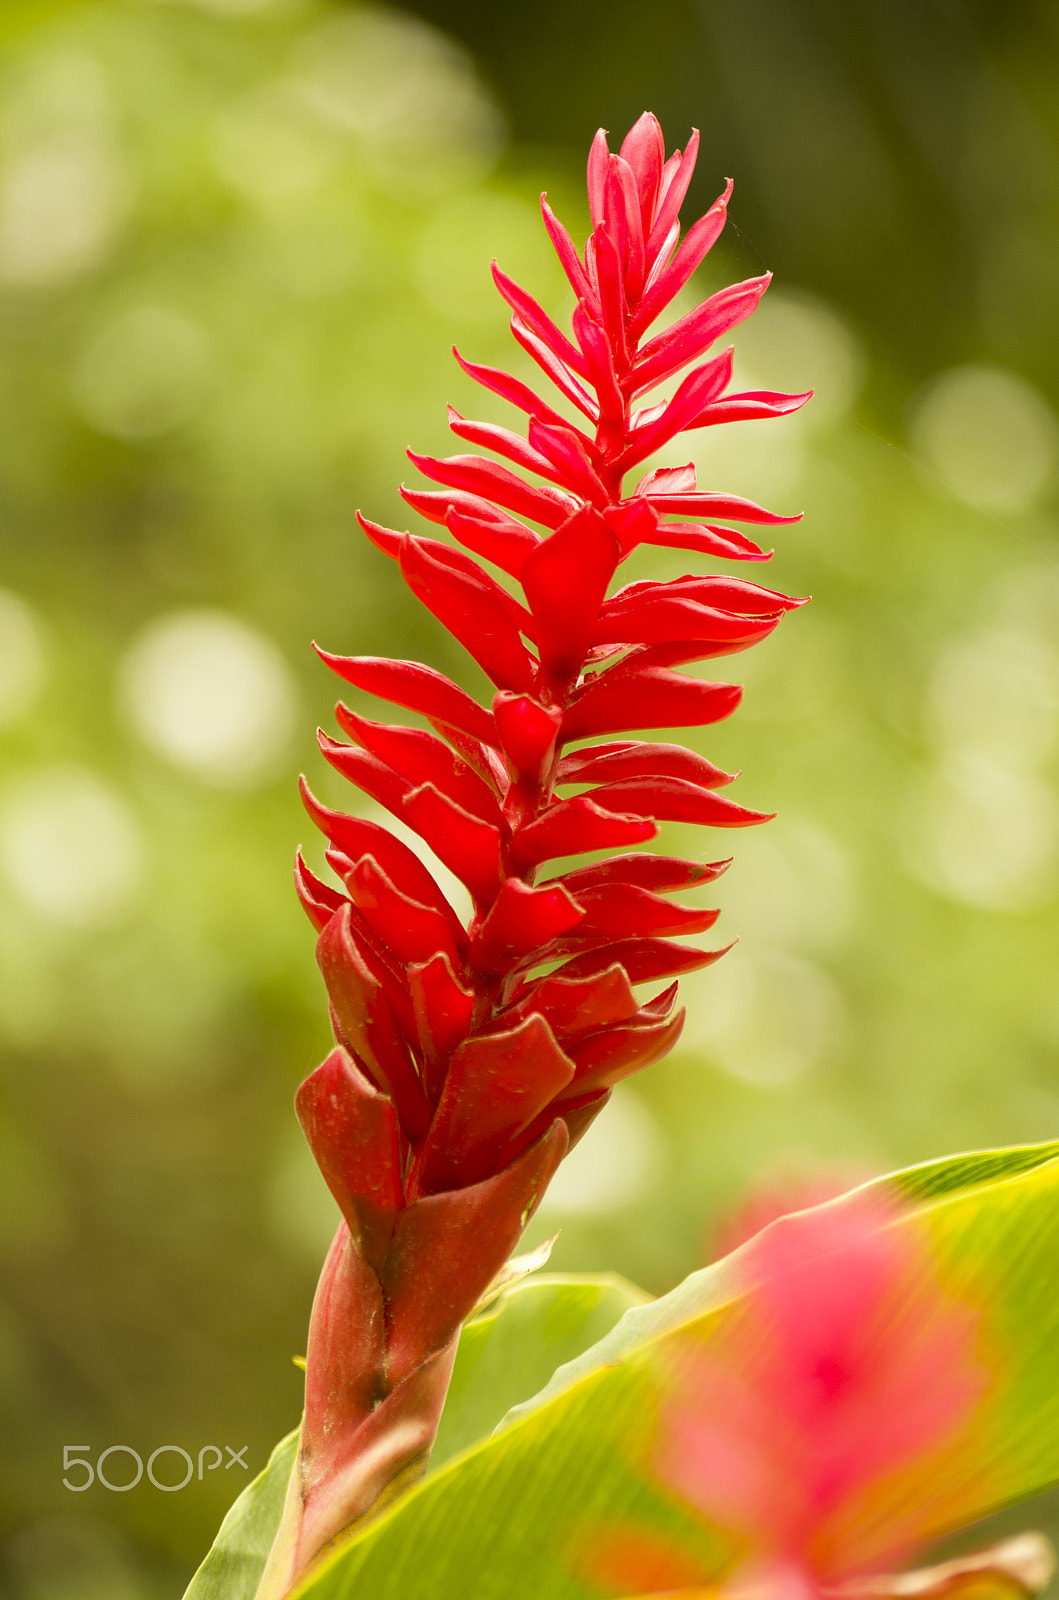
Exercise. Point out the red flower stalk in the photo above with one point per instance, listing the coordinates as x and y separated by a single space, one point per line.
462 1072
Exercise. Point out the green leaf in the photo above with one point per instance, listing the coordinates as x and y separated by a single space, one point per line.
233 1568
505 1355
713 1285
512 1349
506 1519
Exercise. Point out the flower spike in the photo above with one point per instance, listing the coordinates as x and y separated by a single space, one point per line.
469 1059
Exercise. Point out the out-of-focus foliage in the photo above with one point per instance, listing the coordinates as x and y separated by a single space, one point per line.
898 158
236 242
960 1292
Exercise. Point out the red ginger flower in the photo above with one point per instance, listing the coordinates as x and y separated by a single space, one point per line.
461 1074
846 1368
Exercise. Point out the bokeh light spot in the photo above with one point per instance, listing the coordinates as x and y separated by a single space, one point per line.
790 884
144 373
796 342
983 834
211 695
21 657
765 1018
613 1166
70 846
271 149
989 435
997 693
409 95
63 186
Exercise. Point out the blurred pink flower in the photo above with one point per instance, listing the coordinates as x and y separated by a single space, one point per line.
846 1362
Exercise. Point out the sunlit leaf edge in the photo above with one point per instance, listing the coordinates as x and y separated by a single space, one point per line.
993 1183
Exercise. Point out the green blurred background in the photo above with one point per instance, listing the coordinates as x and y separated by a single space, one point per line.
237 240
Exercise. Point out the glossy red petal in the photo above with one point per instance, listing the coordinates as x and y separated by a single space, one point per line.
353 1133
616 1053
663 1003
735 594
448 1248
388 540
443 1012
413 932
565 580
550 364
633 522
568 257
319 900
417 688
656 620
364 1014
511 389
537 320
469 847
611 294
573 1006
579 1114
512 446
660 873
644 149
641 759
730 594
677 653
753 406
667 480
421 758
703 503
570 461
496 1085
700 239
648 697
600 360
645 960
521 920
727 543
477 475
570 826
626 228
527 731
671 799
676 175
698 389
483 759
373 777
473 613
687 339
357 837
506 544
400 546
625 911
598 164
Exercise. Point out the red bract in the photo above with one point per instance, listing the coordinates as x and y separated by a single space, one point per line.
464 1070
